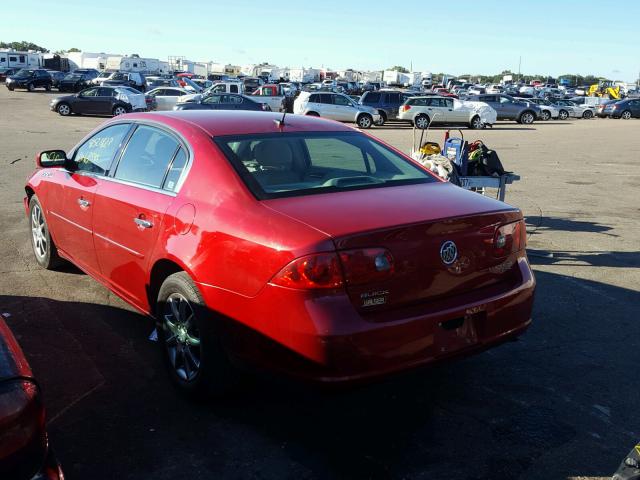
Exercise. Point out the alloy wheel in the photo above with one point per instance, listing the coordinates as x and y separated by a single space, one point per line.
563 115
39 232
626 115
364 121
64 109
119 111
527 118
182 338
422 122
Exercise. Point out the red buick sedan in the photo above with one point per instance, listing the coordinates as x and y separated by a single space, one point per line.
307 246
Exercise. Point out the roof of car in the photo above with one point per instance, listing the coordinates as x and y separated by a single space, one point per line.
226 122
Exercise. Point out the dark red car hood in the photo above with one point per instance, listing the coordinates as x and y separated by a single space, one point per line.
343 213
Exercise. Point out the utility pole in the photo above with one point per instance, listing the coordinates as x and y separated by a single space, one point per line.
519 65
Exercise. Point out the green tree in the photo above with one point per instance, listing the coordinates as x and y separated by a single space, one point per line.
400 69
23 46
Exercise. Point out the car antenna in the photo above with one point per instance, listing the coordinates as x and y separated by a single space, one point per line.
280 123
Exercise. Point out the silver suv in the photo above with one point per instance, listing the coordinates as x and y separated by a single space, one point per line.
335 106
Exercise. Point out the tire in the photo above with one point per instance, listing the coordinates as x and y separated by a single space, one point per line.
383 118
546 115
527 118
10 89
563 115
313 114
587 114
364 121
422 121
47 88
63 109
44 249
189 341
476 123
119 110
30 87
626 115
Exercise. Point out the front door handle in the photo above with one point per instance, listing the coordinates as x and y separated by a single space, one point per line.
141 222
83 203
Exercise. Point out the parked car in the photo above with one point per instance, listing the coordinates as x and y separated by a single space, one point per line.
476 90
251 83
387 103
166 97
224 101
508 108
100 101
335 106
130 79
102 76
56 78
161 82
304 245
425 111
203 84
25 452
77 80
625 109
600 109
30 79
495 88
572 109
548 109
6 72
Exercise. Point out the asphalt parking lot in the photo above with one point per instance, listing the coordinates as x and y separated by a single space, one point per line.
560 403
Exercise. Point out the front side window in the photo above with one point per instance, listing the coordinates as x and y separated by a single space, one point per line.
212 99
147 157
292 164
90 92
96 154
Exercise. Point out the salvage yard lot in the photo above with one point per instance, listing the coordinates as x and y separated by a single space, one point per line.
559 403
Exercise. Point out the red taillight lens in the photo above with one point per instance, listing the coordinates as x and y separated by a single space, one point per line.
331 270
406 108
318 271
367 265
510 238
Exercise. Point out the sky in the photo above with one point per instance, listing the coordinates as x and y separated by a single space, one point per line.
475 37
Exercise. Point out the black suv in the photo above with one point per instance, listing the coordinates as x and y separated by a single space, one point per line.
387 103
30 79
78 80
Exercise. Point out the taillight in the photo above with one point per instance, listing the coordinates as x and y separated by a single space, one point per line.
510 238
614 107
21 416
406 108
367 265
317 271
334 270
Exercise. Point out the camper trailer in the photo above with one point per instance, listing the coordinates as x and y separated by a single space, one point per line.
15 59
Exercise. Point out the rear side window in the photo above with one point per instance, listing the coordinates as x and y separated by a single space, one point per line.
96 154
175 171
147 157
314 98
371 97
326 98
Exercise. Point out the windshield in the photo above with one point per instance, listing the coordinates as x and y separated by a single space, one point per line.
293 164
73 76
119 76
24 73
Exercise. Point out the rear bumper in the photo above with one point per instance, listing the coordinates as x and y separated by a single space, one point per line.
324 339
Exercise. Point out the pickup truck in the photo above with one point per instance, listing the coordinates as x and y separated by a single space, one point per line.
218 87
274 96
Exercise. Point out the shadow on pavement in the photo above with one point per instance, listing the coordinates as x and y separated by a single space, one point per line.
539 224
557 403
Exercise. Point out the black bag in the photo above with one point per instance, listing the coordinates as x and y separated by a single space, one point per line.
491 162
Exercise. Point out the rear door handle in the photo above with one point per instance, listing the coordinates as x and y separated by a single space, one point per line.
83 203
141 222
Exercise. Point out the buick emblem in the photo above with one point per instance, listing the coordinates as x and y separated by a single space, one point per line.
448 252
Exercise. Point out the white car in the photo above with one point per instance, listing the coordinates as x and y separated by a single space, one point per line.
548 109
571 109
424 111
495 88
101 78
335 106
167 97
133 97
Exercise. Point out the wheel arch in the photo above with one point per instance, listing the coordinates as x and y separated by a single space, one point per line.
162 268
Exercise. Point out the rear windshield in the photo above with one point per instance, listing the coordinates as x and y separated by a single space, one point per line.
292 164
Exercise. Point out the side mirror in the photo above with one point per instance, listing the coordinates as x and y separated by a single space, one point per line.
51 158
